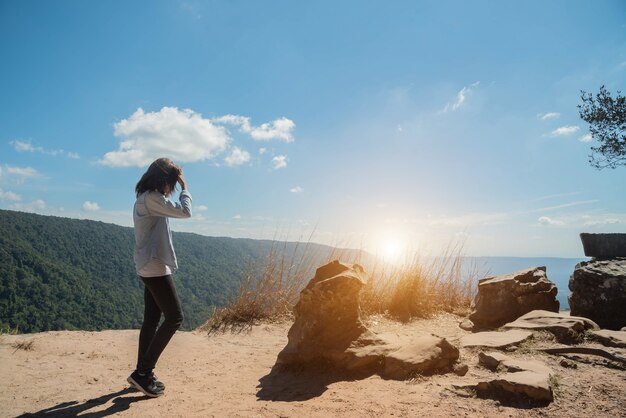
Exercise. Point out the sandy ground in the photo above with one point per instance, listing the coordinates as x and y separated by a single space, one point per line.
76 373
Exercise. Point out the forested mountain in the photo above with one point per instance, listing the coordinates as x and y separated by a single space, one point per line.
59 273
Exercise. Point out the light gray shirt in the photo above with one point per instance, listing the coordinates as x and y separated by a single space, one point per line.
153 238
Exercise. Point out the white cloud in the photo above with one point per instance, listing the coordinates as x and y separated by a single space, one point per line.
23 146
34 206
586 138
461 96
607 221
565 205
280 161
565 130
91 206
237 216
237 157
22 171
280 129
13 197
262 151
183 135
548 115
27 146
544 220
201 208
296 189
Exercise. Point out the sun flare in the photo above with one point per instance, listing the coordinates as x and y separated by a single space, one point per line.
393 250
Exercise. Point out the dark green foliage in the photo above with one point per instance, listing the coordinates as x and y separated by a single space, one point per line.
59 273
606 116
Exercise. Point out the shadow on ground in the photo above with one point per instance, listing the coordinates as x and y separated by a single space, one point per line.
74 408
289 384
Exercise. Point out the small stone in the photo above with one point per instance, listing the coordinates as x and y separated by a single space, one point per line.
460 369
466 325
569 364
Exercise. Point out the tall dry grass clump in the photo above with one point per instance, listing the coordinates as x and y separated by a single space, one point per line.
416 289
266 296
422 287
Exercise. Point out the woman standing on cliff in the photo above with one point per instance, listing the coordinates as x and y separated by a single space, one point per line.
155 261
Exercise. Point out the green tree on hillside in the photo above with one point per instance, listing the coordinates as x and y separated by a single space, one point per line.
606 116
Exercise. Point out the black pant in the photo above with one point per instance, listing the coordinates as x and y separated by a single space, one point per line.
159 297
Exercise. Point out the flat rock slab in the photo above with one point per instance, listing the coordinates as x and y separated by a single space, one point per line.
494 360
425 355
528 378
609 338
495 339
563 326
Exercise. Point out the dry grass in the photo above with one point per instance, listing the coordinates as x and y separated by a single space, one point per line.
422 287
26 345
7 330
417 289
269 296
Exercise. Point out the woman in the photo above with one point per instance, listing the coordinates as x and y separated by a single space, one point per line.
155 261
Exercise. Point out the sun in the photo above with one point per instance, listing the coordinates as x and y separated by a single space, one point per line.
393 250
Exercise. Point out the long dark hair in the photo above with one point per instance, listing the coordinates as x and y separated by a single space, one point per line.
162 172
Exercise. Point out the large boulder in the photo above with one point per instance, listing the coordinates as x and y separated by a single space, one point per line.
599 292
328 329
501 299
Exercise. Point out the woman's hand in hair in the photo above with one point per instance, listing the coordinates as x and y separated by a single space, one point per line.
181 181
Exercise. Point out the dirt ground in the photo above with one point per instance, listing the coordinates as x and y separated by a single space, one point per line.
77 373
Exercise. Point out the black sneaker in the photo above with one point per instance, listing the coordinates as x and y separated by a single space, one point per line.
157 382
144 384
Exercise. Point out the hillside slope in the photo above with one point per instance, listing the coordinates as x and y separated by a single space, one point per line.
59 273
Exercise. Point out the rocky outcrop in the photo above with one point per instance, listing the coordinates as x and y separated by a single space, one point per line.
566 328
502 299
328 329
599 292
604 246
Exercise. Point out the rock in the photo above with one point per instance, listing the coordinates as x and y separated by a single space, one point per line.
604 246
502 299
599 292
567 363
525 377
424 356
460 369
328 329
495 339
327 317
466 325
565 328
528 384
494 360
609 338
623 329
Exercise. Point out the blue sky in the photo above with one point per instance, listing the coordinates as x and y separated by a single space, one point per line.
373 124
